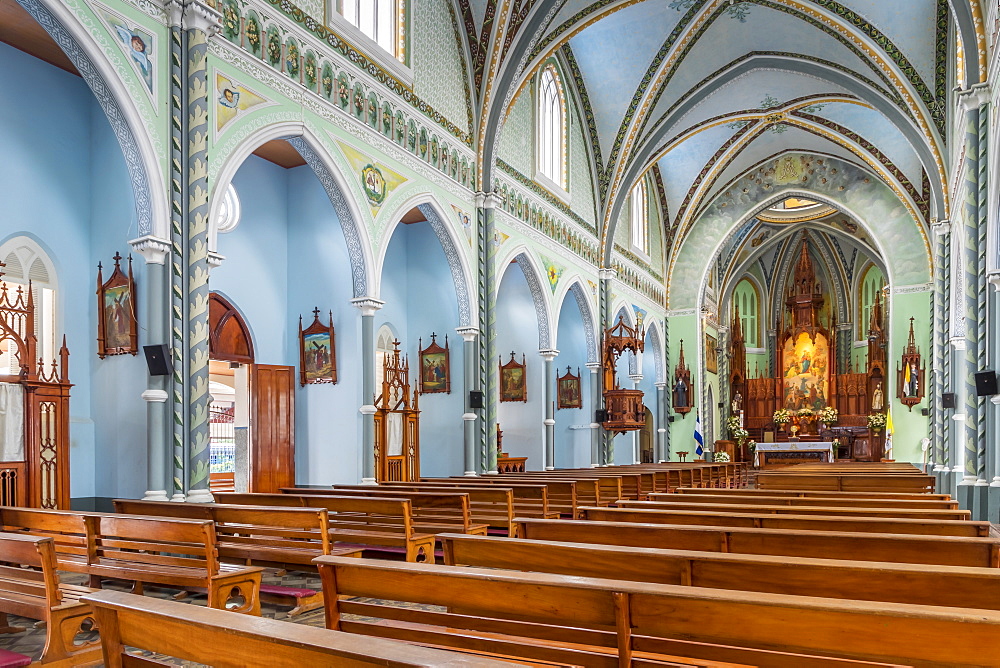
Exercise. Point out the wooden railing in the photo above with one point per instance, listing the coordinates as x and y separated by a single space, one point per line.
13 487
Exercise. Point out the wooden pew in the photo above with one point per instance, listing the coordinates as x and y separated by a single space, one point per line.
901 548
781 521
610 485
676 502
789 500
142 550
433 511
489 505
374 523
949 586
554 615
230 641
854 482
808 494
30 587
530 499
563 496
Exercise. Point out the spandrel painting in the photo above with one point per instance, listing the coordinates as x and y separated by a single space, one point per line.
804 368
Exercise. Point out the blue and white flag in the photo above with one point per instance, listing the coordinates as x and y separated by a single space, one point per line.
698 438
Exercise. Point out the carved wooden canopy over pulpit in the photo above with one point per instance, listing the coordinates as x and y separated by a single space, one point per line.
397 423
623 408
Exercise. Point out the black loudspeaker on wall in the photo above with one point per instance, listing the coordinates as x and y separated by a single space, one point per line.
158 359
476 399
948 400
600 415
986 383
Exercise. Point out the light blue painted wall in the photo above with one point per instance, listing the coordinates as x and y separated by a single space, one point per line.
517 330
420 298
572 446
63 183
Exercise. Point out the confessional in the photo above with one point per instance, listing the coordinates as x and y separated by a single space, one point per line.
397 423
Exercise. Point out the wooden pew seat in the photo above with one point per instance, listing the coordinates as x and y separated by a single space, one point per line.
618 623
30 587
232 641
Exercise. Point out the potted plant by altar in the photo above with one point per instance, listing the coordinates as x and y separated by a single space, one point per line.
781 417
722 457
876 422
737 433
828 416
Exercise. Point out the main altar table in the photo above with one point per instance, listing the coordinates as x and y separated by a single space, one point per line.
797 449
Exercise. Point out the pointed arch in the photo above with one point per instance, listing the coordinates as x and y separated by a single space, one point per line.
532 275
450 243
587 315
659 362
330 177
141 161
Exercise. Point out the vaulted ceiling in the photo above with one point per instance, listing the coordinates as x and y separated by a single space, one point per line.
706 90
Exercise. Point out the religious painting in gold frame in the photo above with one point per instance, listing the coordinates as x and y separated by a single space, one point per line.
435 368
805 372
568 390
514 380
711 354
317 352
117 326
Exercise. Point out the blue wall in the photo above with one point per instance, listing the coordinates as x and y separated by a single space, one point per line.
63 182
572 446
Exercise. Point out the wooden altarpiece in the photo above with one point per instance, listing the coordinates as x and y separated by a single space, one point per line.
397 423
623 408
910 377
40 478
803 343
683 391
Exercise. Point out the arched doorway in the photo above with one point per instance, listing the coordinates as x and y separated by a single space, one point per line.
251 412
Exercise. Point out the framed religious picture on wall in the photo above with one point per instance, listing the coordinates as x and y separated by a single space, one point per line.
435 369
117 325
711 354
317 352
568 387
513 380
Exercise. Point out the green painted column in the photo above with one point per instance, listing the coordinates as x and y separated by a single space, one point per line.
606 442
487 245
201 22
158 431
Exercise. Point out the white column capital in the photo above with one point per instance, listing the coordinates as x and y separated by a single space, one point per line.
607 273
367 409
153 249
957 342
594 366
941 228
660 385
973 97
994 278
368 305
215 259
200 16
636 377
154 396
487 200
469 417
548 354
468 334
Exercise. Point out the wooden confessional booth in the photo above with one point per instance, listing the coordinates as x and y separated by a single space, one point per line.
807 378
34 410
397 423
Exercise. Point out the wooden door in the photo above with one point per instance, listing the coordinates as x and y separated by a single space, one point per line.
272 427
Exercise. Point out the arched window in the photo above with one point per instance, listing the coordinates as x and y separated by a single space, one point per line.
872 283
638 221
551 128
745 296
383 349
381 20
26 261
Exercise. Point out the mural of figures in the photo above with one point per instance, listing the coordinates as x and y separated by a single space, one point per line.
317 352
117 316
232 99
138 45
804 369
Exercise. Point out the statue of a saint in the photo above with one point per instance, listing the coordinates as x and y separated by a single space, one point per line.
681 390
738 404
878 401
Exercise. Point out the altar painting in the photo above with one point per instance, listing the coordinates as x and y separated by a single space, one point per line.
804 366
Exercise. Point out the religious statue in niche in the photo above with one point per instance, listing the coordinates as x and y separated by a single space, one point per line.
513 380
435 369
910 375
317 352
878 398
569 390
116 325
682 390
711 354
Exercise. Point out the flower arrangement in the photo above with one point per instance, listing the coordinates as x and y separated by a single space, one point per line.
805 412
829 415
752 445
876 421
722 456
733 423
782 416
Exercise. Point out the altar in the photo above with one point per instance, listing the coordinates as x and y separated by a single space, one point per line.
793 452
